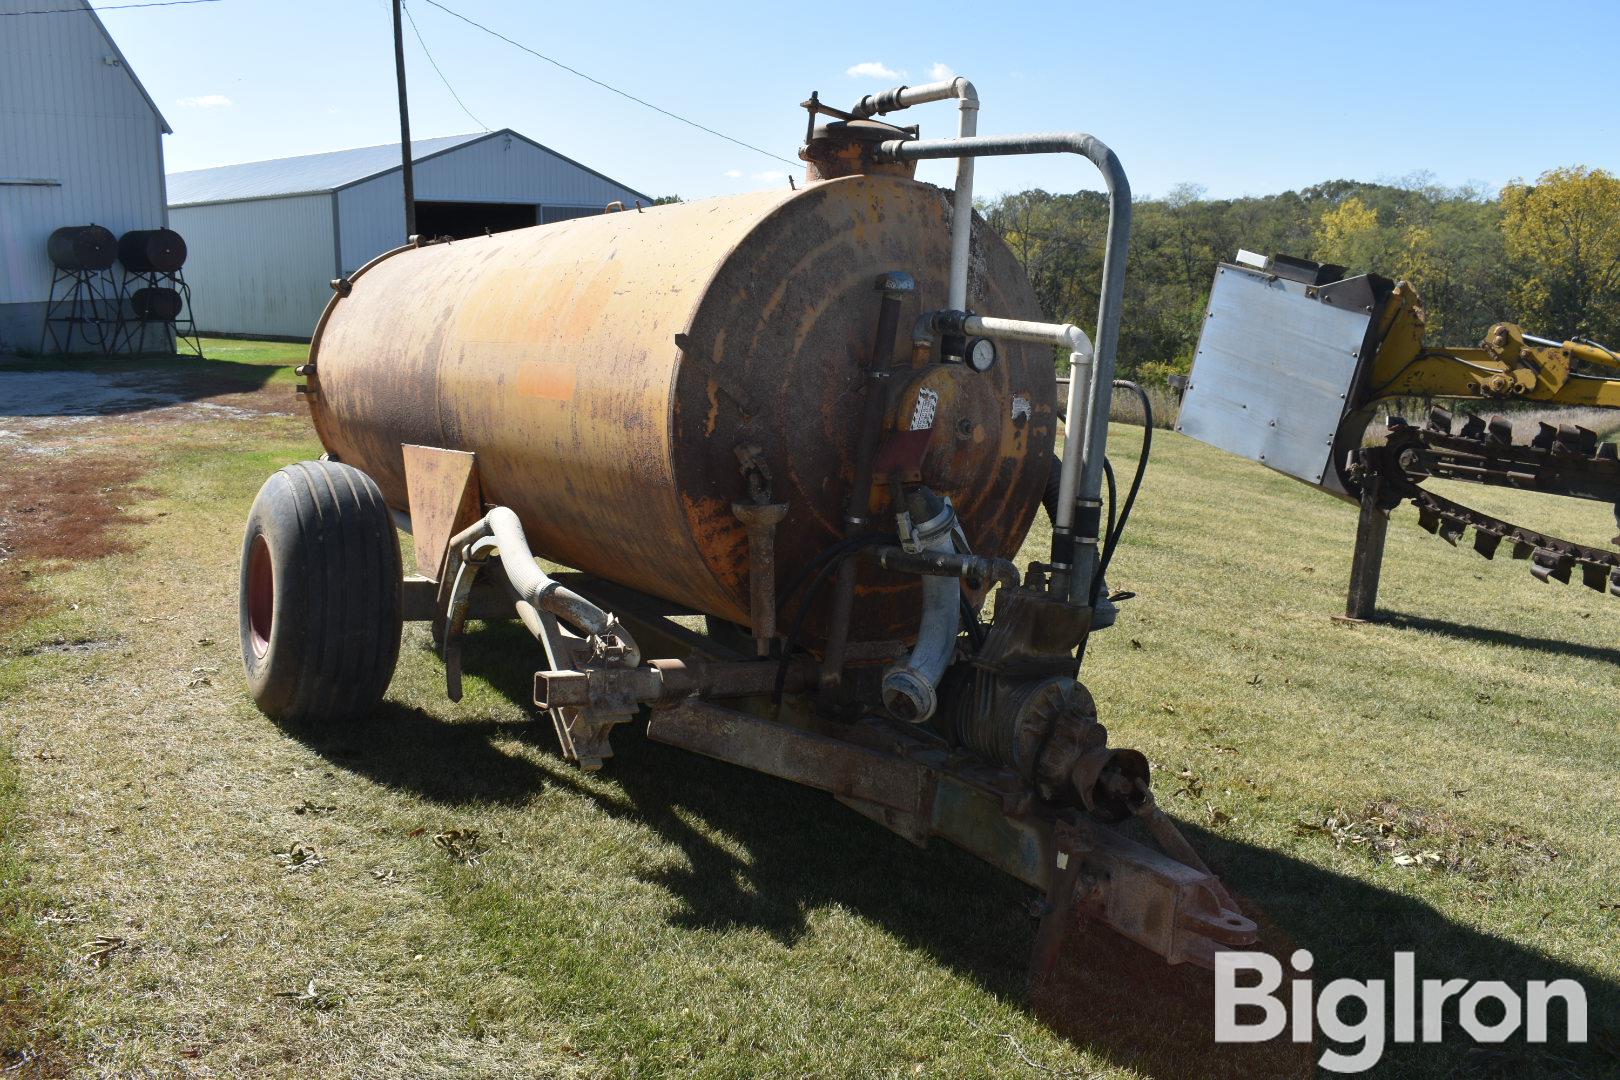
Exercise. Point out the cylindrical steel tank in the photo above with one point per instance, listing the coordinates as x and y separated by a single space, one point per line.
156 303
152 251
82 247
606 371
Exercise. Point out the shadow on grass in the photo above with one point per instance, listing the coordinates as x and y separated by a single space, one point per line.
109 386
413 750
805 852
1494 636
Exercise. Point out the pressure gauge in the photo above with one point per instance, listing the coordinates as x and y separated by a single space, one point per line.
981 354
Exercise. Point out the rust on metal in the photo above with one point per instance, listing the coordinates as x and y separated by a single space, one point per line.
442 489
791 753
688 330
885 771
761 520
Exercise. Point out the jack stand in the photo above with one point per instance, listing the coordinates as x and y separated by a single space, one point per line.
1361 605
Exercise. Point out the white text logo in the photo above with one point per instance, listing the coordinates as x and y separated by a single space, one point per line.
1412 1008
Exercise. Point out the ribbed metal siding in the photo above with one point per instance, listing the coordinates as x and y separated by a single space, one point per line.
259 267
498 169
68 115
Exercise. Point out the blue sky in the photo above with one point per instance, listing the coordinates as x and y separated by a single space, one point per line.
1240 98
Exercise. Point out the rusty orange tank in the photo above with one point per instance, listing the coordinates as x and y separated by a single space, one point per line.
606 370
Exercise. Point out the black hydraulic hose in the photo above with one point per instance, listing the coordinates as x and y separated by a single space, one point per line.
1118 529
1113 500
1049 496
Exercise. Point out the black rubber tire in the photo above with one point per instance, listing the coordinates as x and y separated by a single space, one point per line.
321 546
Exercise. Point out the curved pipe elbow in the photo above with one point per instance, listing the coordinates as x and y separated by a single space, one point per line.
533 584
538 589
909 687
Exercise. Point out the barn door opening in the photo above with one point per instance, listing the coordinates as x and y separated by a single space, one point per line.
464 219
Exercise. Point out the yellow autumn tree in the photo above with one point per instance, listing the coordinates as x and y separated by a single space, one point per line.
1349 234
1563 235
1353 235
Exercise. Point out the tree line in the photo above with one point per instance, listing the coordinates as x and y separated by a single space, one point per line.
1544 254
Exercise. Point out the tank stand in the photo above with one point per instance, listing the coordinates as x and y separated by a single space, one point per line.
82 304
1366 563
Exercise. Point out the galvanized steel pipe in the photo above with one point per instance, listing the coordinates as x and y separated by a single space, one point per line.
903 97
1083 557
1082 358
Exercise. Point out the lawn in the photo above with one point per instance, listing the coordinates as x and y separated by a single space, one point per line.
185 888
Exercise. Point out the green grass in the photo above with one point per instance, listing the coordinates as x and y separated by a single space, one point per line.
27 1035
674 915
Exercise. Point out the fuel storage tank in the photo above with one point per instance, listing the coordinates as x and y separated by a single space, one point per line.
611 372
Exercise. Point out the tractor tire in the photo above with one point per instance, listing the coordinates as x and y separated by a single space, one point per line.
319 602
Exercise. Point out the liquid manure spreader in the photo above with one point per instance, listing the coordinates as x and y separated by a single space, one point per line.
823 418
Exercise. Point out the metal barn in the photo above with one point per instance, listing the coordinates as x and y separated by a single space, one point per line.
81 143
266 238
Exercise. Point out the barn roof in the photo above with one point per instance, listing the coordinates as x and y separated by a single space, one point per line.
307 174
319 173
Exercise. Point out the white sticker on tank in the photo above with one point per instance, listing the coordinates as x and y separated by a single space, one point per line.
922 417
1020 406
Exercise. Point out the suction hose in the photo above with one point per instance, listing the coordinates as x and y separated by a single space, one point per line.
536 588
909 686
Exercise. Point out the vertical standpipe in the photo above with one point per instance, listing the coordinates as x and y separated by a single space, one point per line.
1088 488
967 98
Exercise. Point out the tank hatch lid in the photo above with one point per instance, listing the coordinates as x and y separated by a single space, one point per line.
849 147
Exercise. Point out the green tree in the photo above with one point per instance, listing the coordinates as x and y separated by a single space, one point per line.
1563 232
1547 256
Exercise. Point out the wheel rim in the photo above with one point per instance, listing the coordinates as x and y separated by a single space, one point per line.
261 596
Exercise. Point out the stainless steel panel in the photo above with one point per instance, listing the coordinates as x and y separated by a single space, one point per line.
1272 374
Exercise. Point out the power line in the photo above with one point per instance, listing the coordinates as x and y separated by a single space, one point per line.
412 20
115 7
607 86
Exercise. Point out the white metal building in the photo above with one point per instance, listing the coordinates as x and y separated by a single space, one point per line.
81 143
266 238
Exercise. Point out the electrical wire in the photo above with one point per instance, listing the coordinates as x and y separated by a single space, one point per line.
603 85
114 7
1118 530
421 41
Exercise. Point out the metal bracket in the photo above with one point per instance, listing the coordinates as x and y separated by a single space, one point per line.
443 491
919 790
582 733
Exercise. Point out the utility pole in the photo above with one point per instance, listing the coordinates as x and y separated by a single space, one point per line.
404 126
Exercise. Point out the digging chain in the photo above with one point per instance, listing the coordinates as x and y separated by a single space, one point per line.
1559 460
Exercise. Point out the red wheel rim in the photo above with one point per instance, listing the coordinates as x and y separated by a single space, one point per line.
261 596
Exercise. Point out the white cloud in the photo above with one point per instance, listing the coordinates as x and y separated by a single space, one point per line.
871 69
941 72
206 101
734 174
